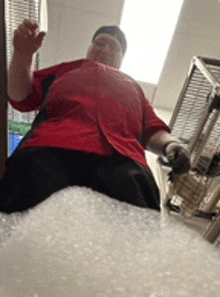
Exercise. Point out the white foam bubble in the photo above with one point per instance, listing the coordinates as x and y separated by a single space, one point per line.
82 243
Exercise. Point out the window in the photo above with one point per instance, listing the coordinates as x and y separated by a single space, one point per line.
16 11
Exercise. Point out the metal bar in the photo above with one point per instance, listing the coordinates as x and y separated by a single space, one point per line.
202 67
3 91
213 231
197 135
210 61
213 200
182 93
205 136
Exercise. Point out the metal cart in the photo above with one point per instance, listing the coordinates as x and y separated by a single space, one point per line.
196 123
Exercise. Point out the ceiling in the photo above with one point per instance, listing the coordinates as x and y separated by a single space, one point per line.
72 24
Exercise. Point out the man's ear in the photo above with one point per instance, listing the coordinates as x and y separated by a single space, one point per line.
88 50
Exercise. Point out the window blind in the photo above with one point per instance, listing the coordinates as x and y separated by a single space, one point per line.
3 91
15 12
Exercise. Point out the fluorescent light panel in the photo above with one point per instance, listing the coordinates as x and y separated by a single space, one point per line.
149 27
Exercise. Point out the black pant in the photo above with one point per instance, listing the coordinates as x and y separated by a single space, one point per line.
33 174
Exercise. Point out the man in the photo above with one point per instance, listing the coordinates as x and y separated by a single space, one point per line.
92 129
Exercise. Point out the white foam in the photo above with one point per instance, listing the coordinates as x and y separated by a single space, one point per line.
82 243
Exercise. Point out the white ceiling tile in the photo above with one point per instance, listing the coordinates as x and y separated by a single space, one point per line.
73 23
166 97
200 17
77 29
54 15
176 66
48 56
111 8
165 115
148 89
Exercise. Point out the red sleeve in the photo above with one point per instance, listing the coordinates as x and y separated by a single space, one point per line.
35 99
151 122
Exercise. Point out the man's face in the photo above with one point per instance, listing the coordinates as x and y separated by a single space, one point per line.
107 50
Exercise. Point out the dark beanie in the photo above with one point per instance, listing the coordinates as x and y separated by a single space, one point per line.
114 31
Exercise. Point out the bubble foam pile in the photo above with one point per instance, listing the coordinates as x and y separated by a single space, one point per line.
82 243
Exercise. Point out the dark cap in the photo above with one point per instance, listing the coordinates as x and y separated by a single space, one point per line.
114 31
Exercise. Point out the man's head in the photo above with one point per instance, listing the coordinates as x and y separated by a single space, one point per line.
108 46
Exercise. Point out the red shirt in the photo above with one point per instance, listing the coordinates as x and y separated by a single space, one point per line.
93 108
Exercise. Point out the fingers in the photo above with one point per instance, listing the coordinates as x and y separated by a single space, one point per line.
40 38
27 38
179 158
27 28
32 26
182 162
172 155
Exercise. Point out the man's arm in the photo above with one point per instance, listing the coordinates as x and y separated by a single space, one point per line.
20 77
158 141
26 42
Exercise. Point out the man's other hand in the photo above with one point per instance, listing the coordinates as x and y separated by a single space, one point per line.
178 157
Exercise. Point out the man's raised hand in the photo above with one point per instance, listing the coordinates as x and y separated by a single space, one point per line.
27 40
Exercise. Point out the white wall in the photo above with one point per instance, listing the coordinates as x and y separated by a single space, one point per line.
72 25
